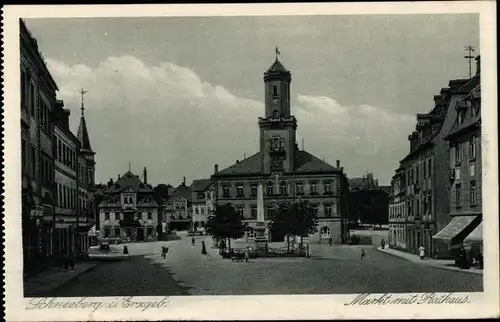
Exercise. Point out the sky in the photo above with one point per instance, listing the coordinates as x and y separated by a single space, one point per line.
179 94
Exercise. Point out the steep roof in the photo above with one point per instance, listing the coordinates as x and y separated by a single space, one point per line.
276 67
83 135
200 185
469 119
129 181
183 191
250 165
304 163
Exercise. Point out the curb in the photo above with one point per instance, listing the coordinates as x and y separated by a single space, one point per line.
454 269
73 278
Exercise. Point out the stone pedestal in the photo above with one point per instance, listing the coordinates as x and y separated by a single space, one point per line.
260 238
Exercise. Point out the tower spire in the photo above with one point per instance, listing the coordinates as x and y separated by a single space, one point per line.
277 51
83 92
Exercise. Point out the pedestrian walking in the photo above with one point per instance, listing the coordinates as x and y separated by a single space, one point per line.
203 248
330 241
247 254
164 251
363 253
422 252
382 243
193 242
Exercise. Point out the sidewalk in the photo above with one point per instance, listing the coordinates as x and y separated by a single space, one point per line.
52 278
447 264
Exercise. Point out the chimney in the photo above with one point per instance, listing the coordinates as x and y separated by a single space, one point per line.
183 181
145 175
216 169
118 177
342 169
237 161
338 163
478 64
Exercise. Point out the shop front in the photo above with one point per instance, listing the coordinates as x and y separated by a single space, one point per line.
454 234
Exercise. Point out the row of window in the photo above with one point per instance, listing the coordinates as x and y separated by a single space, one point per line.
117 232
107 215
459 202
66 196
328 210
128 200
397 210
29 98
270 189
66 154
25 157
46 171
460 147
28 93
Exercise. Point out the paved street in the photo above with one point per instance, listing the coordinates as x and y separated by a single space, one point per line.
337 269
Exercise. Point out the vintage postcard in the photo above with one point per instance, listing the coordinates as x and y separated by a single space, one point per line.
247 162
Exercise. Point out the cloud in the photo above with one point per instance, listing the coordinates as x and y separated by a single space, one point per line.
169 120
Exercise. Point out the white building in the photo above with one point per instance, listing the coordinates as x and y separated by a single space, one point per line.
202 202
129 211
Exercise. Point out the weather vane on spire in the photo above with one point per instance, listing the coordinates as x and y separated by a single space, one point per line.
277 52
82 92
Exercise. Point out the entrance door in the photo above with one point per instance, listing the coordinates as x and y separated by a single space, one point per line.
140 234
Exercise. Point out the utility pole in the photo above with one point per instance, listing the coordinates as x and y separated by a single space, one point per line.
470 50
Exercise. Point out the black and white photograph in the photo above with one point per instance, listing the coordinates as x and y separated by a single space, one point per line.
176 156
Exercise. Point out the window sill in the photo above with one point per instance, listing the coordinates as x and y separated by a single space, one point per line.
472 159
473 205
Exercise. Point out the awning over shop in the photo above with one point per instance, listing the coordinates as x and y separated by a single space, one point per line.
477 234
458 228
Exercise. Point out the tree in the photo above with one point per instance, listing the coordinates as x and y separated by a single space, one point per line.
297 219
225 222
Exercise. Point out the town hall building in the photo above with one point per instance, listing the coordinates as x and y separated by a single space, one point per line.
286 172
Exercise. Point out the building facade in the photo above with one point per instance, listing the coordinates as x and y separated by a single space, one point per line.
465 169
420 203
202 202
38 100
128 211
177 212
286 173
66 211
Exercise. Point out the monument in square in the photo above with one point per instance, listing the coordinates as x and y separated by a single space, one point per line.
260 227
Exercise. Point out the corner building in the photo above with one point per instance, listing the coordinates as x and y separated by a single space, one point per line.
286 173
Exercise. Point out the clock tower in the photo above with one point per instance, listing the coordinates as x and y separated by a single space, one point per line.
278 126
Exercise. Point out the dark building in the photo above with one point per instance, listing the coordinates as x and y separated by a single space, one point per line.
465 169
38 102
420 205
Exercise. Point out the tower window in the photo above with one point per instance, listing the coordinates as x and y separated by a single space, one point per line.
275 90
275 113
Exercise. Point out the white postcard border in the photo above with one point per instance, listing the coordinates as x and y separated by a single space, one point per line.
483 304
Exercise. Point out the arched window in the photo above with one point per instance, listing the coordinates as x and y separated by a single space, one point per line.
283 188
275 90
270 188
325 232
